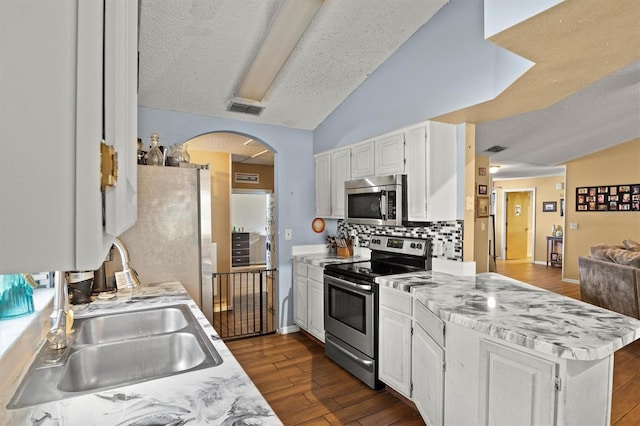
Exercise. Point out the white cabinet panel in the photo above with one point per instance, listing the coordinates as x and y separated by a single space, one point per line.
416 168
516 388
315 306
395 351
323 185
52 215
389 157
340 172
442 175
362 160
300 300
427 375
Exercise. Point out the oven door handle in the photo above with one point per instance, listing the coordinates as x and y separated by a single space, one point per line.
349 284
363 362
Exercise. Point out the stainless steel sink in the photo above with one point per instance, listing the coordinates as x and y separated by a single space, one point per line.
111 328
119 350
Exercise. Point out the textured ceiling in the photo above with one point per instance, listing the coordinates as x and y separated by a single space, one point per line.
582 94
193 54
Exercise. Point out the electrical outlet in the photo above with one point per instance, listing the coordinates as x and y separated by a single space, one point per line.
288 234
573 225
437 248
448 250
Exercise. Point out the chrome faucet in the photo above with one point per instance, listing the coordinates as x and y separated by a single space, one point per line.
130 274
57 335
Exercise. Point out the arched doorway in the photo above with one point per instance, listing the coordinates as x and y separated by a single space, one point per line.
245 277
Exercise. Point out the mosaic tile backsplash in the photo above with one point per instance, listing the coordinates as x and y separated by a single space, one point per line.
440 234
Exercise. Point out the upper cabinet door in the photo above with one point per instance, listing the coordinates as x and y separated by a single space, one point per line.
443 173
362 160
60 95
389 157
416 169
323 185
341 172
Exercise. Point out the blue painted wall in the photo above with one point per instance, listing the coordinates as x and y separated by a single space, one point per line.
294 178
446 65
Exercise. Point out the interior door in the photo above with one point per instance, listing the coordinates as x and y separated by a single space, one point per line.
517 225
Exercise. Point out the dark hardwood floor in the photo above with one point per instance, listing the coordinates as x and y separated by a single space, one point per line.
306 388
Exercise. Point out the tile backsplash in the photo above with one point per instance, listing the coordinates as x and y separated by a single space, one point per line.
440 233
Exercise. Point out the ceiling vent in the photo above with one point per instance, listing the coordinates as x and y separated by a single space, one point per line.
496 148
245 106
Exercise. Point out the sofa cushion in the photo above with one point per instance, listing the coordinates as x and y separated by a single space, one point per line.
631 245
625 257
599 251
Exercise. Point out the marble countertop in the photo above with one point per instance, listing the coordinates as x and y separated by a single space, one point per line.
323 259
221 395
521 314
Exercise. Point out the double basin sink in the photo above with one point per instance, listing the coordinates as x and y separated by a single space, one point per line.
118 350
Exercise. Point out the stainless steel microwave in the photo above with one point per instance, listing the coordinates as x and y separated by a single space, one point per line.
377 200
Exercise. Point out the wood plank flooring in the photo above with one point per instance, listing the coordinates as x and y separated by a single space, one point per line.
306 388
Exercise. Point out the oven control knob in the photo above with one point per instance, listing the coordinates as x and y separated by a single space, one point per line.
419 246
413 245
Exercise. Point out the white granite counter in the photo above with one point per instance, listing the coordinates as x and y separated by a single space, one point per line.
324 259
521 314
221 395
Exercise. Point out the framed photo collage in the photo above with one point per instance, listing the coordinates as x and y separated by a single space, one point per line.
612 198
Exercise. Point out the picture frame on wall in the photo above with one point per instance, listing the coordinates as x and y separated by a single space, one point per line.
608 198
482 171
549 206
482 207
482 189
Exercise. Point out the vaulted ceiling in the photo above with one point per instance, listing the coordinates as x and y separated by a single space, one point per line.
193 55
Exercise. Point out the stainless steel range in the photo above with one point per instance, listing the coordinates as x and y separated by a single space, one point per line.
351 301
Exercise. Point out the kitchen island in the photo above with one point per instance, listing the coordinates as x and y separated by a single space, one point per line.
493 350
213 396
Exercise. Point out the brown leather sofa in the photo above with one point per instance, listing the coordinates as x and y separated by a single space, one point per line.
610 285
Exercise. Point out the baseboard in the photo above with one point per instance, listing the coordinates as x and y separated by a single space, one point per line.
289 329
571 281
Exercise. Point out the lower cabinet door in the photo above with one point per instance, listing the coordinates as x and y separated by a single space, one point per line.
315 307
428 377
394 351
516 388
300 301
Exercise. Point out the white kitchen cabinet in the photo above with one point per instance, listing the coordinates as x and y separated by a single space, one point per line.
300 290
432 172
490 381
395 351
416 168
427 376
315 308
332 170
69 78
394 345
362 159
323 185
340 172
385 156
516 388
389 157
308 298
444 173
